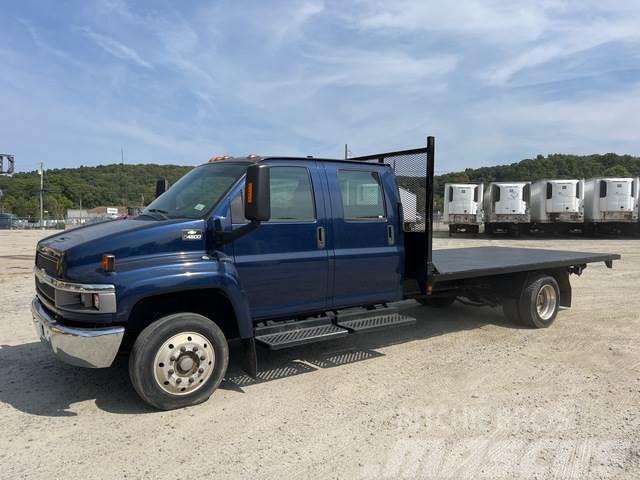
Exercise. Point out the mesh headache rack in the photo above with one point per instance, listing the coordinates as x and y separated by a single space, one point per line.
414 170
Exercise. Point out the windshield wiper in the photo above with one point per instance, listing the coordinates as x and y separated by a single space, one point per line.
163 214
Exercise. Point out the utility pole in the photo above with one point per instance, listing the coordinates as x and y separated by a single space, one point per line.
346 151
41 196
125 192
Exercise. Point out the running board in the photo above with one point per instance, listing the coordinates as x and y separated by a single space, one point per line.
288 334
292 334
370 320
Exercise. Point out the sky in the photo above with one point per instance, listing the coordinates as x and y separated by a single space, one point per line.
178 82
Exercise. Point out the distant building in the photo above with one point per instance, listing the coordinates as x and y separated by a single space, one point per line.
76 216
7 221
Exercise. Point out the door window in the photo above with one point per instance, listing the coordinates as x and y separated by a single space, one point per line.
362 196
291 197
291 194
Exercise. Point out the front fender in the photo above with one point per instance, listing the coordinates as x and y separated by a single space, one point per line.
205 273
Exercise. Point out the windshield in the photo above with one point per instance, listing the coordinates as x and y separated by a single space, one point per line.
197 192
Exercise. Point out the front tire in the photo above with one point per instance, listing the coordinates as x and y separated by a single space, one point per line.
178 361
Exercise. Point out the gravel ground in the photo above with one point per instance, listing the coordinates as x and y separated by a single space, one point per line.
461 394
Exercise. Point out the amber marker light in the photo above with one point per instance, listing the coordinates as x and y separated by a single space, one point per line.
108 263
250 192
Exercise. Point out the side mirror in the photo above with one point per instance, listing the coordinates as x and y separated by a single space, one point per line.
257 193
162 185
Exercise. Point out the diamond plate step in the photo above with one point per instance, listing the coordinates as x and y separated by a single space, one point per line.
367 321
298 333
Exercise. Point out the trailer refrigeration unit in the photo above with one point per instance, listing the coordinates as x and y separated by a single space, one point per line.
557 205
506 207
463 207
611 205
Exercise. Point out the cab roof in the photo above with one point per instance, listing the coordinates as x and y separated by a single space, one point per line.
257 158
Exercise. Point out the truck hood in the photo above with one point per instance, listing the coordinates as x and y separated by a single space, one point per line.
82 248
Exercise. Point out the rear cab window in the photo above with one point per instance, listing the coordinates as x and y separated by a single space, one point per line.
362 195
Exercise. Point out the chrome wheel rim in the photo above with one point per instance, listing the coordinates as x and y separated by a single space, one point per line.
184 363
546 302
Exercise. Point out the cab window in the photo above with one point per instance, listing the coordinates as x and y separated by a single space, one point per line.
362 195
291 197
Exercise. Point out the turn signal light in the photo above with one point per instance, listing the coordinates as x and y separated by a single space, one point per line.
249 192
108 263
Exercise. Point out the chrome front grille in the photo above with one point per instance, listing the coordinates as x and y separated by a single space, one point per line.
75 297
48 263
46 290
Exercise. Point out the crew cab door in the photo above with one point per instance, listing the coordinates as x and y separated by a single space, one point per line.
364 234
283 264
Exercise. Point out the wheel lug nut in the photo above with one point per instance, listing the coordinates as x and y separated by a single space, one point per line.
195 348
171 372
178 380
172 358
183 349
191 379
203 358
200 370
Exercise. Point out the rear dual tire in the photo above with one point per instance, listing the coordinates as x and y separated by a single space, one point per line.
538 304
178 361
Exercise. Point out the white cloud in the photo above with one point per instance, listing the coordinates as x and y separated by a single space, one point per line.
378 67
290 24
565 41
494 80
116 48
520 20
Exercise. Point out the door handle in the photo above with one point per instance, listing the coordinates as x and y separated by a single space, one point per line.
320 237
390 235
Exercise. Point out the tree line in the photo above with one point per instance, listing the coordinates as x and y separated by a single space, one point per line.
134 185
104 185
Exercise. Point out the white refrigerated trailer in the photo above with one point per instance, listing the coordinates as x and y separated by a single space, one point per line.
557 205
611 205
463 207
506 207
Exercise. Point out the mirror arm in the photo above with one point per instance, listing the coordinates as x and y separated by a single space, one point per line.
226 237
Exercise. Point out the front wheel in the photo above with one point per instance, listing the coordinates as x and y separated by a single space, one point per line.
178 360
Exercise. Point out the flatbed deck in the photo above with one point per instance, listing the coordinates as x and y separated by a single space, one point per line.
466 263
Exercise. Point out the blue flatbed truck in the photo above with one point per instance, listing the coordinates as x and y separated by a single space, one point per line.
277 252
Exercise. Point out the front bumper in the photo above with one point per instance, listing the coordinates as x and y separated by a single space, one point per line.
82 347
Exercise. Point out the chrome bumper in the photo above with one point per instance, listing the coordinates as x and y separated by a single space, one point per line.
82 347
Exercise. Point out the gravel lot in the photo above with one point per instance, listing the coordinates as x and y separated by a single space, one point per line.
461 394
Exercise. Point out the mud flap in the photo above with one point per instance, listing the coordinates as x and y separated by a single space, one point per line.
249 362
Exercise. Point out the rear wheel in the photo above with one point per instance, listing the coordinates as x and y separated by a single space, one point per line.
538 304
178 360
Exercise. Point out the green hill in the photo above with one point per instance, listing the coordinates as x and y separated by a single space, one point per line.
96 186
131 184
